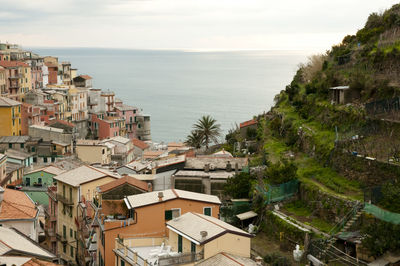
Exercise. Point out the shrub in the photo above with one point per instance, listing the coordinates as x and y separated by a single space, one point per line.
276 259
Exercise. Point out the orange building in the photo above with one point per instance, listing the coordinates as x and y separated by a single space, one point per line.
144 216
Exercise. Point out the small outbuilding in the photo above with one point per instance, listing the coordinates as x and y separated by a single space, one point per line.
343 94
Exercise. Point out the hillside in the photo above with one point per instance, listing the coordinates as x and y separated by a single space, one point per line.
338 123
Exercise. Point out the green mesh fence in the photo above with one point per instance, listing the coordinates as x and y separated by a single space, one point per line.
279 192
382 214
229 212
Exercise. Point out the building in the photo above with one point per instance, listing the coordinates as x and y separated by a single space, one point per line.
246 126
10 117
18 75
343 94
51 215
3 160
193 239
65 70
139 147
3 82
207 174
143 127
77 98
36 64
30 115
19 157
103 126
84 81
123 151
14 142
128 113
20 212
14 243
94 151
109 100
96 103
143 216
14 174
73 187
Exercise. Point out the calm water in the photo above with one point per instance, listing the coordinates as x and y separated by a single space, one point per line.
176 88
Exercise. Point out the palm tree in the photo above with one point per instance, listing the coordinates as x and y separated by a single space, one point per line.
208 129
194 139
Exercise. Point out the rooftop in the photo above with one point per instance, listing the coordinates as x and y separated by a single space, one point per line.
14 139
118 139
85 77
149 198
17 205
340 88
124 180
49 169
199 162
163 162
211 175
190 225
11 167
59 130
12 240
24 261
248 123
83 174
6 102
13 64
18 154
140 144
125 107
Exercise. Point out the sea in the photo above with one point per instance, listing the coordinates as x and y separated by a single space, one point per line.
178 87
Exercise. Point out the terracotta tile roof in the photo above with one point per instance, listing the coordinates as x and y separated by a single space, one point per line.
17 205
248 123
13 64
85 76
124 180
140 144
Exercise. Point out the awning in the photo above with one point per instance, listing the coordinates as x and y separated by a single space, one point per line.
246 215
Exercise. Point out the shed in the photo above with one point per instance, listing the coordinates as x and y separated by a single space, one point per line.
343 94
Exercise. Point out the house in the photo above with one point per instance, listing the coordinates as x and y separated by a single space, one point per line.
120 188
14 142
3 160
143 216
10 117
246 126
123 150
14 243
84 81
343 94
128 113
73 187
18 75
30 115
134 167
20 212
3 82
19 157
139 147
194 239
31 261
94 151
14 174
143 127
207 174
103 126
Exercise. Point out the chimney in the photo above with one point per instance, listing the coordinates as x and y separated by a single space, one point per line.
203 234
207 167
229 166
160 196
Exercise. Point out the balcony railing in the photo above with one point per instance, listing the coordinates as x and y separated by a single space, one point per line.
184 258
64 199
50 232
61 238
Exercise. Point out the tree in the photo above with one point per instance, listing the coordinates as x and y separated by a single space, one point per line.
239 185
194 139
208 129
278 173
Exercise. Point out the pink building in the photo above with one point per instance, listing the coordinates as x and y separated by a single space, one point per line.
128 113
30 115
103 126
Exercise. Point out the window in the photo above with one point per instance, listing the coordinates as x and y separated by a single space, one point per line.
40 180
45 159
180 243
71 232
207 211
54 147
33 149
122 262
64 231
22 145
10 145
64 248
103 151
176 213
192 247
72 251
75 234
64 190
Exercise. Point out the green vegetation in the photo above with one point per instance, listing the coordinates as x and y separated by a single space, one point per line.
381 237
279 173
205 131
276 259
298 208
239 186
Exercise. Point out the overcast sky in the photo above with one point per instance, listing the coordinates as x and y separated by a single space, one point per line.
312 25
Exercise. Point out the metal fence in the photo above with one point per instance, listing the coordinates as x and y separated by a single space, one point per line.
276 193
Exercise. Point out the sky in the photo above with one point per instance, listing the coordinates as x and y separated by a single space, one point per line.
313 25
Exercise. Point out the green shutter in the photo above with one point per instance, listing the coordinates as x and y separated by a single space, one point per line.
168 215
179 243
207 211
193 247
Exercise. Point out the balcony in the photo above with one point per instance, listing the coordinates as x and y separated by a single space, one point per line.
64 199
52 193
182 258
50 217
50 232
17 76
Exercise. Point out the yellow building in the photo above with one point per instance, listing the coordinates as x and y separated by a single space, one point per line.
94 151
73 188
10 117
25 82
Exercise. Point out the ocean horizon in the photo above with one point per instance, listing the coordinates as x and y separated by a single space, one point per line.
177 87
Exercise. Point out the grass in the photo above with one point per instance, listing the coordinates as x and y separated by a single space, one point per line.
274 148
321 225
298 208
